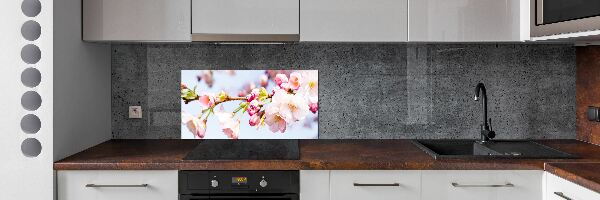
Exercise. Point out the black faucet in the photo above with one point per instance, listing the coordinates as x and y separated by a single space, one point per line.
486 129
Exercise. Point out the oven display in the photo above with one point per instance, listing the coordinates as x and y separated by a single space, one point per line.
239 180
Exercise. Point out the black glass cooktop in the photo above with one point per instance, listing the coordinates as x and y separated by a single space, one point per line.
245 150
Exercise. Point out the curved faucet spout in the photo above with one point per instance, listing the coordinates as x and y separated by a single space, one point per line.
480 93
481 88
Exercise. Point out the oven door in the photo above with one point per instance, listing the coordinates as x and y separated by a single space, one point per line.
244 197
552 17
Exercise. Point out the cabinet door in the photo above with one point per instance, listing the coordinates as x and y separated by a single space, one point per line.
117 185
482 185
136 20
560 189
375 184
245 16
468 20
353 21
314 185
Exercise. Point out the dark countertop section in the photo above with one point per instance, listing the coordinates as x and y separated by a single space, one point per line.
314 154
584 174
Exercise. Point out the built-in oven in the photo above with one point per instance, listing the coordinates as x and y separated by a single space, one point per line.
552 17
234 185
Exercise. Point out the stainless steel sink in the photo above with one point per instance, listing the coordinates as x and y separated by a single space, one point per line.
471 149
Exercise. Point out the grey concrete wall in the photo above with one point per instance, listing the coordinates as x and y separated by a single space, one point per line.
369 90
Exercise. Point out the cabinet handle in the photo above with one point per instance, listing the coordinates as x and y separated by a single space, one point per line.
376 185
114 186
561 195
491 185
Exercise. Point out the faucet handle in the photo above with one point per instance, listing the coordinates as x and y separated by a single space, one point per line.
491 133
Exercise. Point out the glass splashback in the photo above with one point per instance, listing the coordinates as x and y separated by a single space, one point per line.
249 104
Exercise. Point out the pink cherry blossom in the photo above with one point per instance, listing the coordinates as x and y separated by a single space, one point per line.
313 104
253 95
274 120
229 126
295 81
253 107
280 79
285 86
194 125
310 84
264 80
207 100
254 120
242 93
314 107
232 129
290 107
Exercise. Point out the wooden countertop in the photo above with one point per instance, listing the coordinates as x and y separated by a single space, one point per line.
314 154
331 155
584 174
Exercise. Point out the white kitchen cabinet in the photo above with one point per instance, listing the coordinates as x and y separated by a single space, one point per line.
375 184
117 185
560 189
314 184
136 20
354 21
482 185
468 20
245 20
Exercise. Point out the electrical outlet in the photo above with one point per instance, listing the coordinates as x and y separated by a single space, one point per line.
135 112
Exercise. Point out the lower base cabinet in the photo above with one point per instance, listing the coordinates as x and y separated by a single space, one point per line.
116 185
482 185
560 189
376 185
341 185
422 185
314 184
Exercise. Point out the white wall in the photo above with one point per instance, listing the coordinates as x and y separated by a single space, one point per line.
24 177
82 109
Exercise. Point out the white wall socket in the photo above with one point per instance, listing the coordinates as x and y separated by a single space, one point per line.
135 112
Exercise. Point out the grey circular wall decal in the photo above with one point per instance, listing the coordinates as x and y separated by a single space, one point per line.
31 100
31 8
31 124
31 147
31 54
31 30
31 77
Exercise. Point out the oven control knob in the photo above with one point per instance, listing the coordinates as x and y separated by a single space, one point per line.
263 183
214 183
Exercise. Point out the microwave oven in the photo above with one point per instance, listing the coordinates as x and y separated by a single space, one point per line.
554 17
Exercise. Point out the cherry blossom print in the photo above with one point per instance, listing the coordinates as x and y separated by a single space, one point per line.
270 101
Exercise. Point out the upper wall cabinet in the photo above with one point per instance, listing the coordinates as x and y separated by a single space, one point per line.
245 20
354 21
468 20
136 20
